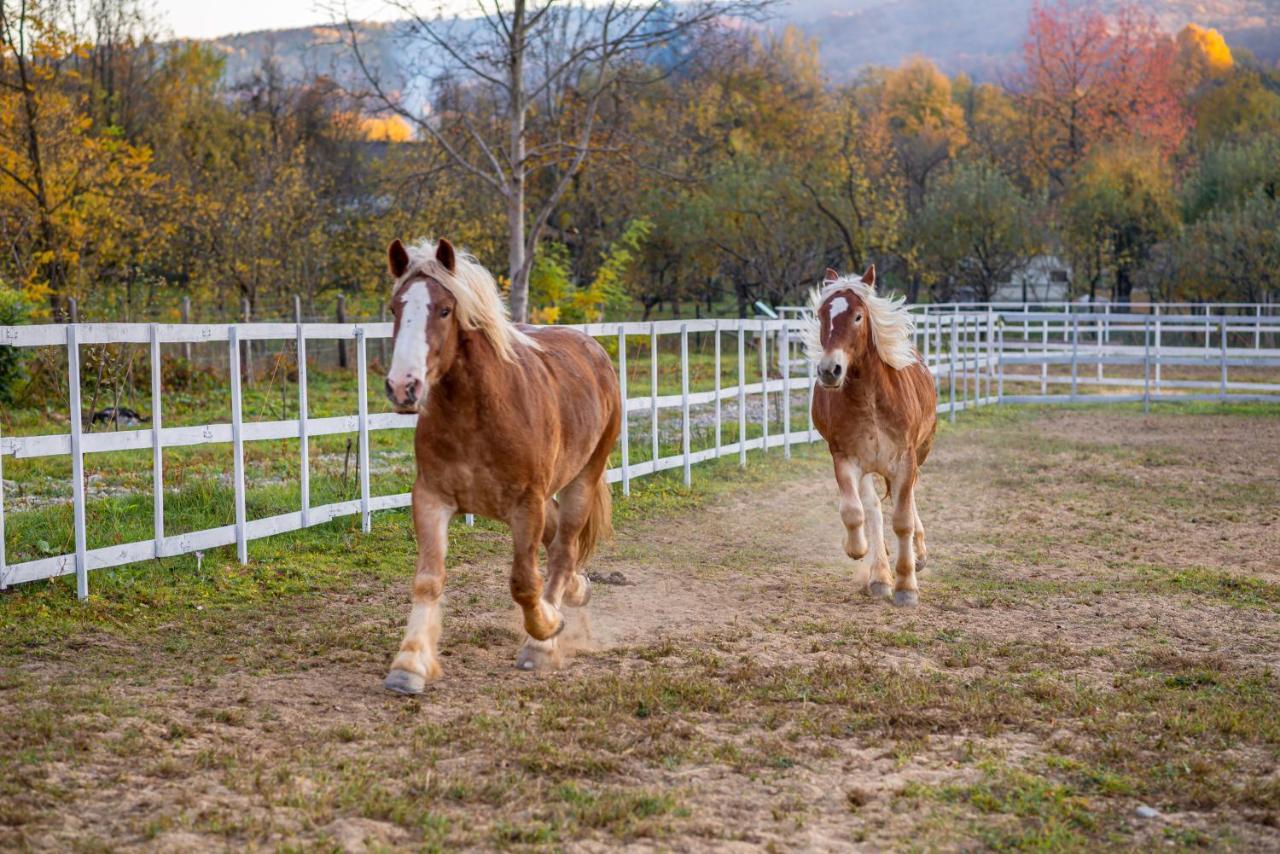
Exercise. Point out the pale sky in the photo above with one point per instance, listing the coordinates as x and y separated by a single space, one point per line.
203 19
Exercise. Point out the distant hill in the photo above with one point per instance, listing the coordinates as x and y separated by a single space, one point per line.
980 37
984 38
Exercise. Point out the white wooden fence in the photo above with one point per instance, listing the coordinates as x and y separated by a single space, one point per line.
973 352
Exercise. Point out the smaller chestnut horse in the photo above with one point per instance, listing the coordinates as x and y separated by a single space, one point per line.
515 423
875 404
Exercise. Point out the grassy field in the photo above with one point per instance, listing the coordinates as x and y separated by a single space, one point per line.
1098 632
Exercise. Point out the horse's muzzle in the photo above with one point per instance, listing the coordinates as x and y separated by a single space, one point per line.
405 394
830 373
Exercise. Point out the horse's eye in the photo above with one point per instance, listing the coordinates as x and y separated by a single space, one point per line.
857 318
444 312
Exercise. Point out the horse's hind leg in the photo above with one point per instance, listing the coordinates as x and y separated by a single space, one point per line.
562 584
922 553
417 663
542 620
905 591
879 580
550 521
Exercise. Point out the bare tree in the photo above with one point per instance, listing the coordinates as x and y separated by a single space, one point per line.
518 89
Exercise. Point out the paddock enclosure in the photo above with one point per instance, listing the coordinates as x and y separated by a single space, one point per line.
1093 662
1042 355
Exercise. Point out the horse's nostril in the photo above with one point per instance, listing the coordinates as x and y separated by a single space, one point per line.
835 370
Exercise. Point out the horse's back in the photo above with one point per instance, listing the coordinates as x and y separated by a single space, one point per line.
582 376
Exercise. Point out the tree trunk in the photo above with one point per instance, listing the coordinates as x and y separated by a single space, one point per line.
518 263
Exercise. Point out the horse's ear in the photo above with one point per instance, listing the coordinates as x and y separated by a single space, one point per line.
869 277
831 276
397 259
445 255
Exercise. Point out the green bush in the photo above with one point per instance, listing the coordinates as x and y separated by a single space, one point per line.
14 309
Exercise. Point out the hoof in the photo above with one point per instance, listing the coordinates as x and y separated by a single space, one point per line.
580 595
878 590
537 655
906 598
404 682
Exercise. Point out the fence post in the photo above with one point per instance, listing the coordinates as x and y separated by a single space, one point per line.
1000 363
924 317
955 344
77 462
73 310
626 417
1158 349
362 386
938 343
742 393
157 454
764 384
809 372
991 343
1044 359
248 345
186 318
1102 334
342 342
1075 354
1257 327
717 388
684 402
653 390
237 445
304 444
1222 394
1146 365
784 359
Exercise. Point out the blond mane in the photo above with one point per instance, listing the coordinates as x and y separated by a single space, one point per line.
479 303
892 326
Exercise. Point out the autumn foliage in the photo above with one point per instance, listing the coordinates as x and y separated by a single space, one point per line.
133 174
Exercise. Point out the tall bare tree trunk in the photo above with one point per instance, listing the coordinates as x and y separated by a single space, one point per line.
517 262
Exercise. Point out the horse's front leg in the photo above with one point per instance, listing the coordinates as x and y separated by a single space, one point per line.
852 514
417 662
542 619
905 590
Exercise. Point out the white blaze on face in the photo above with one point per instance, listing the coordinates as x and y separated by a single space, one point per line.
839 306
409 360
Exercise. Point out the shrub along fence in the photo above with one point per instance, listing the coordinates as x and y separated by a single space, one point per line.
979 355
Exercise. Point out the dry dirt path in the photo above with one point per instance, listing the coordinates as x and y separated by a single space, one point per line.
1098 631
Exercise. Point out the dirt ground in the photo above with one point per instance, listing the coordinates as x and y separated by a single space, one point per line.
1093 664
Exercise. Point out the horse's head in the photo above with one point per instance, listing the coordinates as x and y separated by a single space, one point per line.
844 329
426 326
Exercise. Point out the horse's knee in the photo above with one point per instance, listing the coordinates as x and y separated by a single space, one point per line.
526 589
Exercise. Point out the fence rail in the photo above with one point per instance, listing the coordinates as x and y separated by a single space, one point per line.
978 358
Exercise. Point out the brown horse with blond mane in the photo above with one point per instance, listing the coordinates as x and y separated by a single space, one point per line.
876 405
514 423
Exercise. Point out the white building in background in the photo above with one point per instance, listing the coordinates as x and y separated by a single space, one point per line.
1044 278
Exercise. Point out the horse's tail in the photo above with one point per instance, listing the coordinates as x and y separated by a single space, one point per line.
599 520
